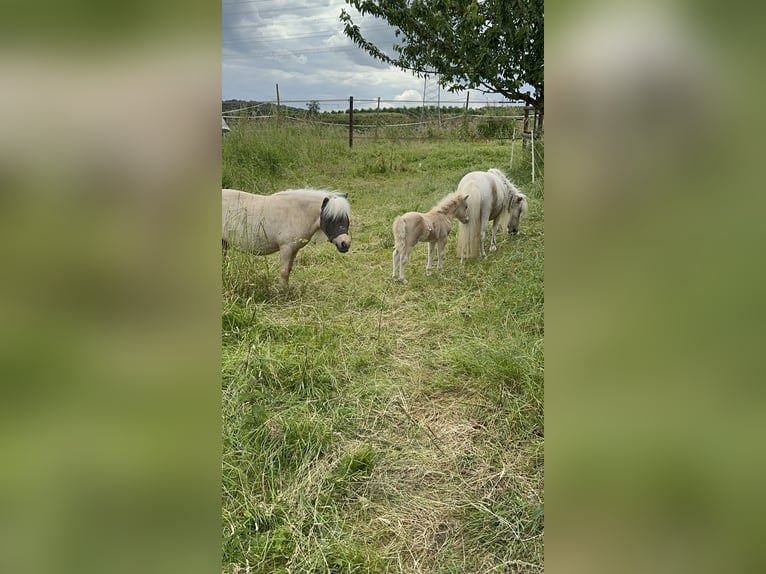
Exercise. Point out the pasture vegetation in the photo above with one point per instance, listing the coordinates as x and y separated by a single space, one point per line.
371 427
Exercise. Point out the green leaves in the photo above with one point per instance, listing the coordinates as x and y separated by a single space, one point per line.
495 46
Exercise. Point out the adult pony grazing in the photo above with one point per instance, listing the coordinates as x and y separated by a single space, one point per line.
491 196
284 222
433 227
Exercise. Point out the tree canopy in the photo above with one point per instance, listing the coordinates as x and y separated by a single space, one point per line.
495 46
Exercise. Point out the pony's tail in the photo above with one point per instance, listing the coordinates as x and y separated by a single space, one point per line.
469 234
400 234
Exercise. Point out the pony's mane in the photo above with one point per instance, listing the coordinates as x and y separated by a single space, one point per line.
524 205
499 174
337 207
448 201
510 189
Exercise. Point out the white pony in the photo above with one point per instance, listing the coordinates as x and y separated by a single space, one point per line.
284 222
433 227
491 196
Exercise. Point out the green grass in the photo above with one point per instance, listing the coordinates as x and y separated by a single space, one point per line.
370 427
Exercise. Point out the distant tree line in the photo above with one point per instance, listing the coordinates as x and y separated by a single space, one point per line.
254 108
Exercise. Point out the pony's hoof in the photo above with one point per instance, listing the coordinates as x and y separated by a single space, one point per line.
493 248
428 272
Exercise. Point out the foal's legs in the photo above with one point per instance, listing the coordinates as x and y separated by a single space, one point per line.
403 256
429 263
442 245
396 263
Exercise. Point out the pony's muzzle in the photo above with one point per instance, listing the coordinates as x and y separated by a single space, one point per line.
343 243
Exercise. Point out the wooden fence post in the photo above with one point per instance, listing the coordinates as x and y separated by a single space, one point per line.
350 121
513 142
277 105
525 133
465 114
539 113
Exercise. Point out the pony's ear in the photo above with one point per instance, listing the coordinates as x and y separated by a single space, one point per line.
324 202
344 195
465 197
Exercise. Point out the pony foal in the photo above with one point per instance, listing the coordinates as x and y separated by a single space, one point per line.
284 222
433 227
491 196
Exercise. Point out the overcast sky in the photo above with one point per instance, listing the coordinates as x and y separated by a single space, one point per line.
300 45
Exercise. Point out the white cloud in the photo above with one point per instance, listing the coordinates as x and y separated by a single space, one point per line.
300 45
338 39
408 95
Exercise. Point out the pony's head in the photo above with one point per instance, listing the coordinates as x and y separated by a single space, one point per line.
334 219
454 205
516 202
517 206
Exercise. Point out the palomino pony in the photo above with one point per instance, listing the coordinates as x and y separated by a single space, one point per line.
491 196
433 227
284 222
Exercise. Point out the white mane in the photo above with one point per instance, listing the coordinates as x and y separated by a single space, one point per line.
510 188
497 173
524 205
338 205
449 200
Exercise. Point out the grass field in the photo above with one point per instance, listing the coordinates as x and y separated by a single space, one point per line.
370 426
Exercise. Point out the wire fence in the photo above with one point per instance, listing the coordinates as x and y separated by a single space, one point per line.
396 119
379 119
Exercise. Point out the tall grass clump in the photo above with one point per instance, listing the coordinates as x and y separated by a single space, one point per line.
370 427
258 154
